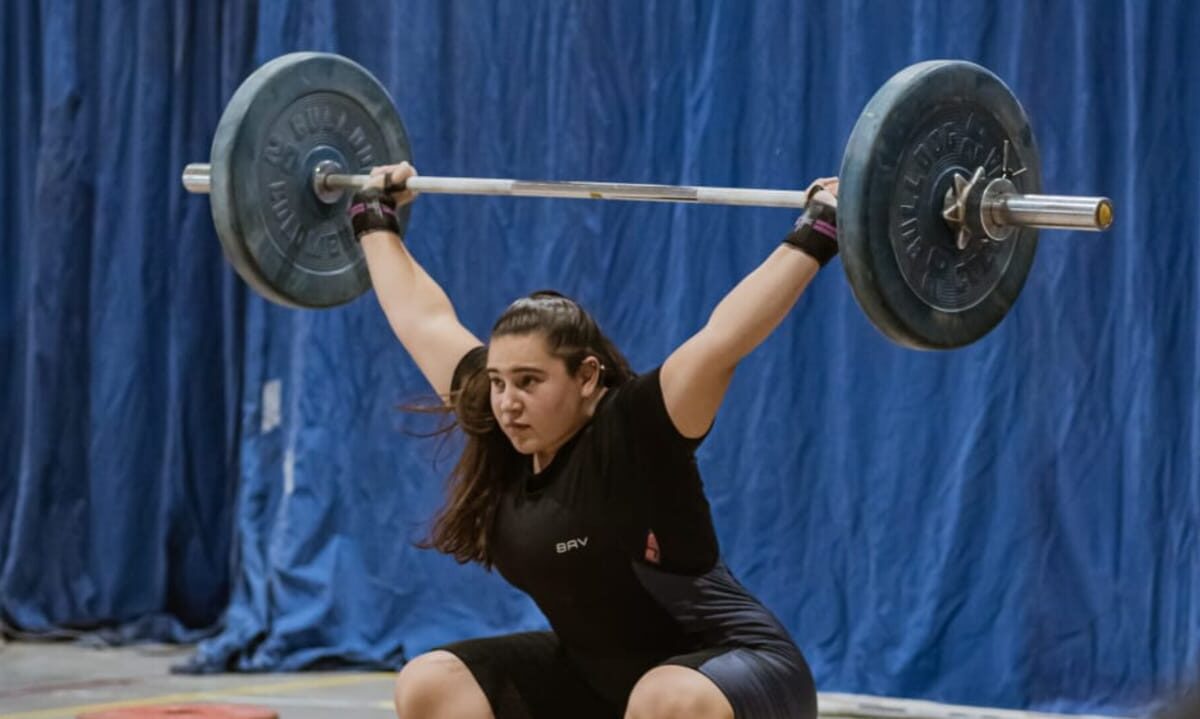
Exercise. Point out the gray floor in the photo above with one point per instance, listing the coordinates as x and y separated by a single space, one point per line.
49 681
58 681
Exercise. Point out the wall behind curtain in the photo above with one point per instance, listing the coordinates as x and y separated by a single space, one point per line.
1012 524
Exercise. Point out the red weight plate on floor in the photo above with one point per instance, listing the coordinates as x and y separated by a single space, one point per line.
185 711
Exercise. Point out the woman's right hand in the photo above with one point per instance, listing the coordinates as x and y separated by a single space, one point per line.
390 176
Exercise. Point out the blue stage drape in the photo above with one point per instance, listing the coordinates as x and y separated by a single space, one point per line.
1014 523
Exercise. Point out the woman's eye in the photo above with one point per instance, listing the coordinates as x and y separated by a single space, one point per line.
525 382
498 385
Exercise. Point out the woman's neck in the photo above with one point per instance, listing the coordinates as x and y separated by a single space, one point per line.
543 458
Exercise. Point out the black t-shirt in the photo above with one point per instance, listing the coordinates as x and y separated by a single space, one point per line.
574 536
630 470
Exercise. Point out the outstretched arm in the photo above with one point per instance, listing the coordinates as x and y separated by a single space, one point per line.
417 308
694 378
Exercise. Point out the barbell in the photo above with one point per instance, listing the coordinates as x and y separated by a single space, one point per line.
938 206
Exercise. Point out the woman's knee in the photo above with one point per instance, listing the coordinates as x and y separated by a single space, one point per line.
437 685
672 692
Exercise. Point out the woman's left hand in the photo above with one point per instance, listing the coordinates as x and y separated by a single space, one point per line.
824 189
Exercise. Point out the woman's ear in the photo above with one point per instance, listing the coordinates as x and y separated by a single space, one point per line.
590 375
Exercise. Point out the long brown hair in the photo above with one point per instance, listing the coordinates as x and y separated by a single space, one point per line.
463 526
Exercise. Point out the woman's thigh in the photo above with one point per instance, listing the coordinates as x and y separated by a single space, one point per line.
757 684
676 692
528 676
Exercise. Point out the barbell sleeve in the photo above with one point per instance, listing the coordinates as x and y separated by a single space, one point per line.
1064 212
197 178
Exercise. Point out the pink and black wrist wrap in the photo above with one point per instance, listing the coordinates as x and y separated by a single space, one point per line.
372 210
815 233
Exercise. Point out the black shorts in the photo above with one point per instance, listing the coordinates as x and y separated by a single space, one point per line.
528 676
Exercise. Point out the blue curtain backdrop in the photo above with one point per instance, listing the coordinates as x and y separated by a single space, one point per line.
1015 523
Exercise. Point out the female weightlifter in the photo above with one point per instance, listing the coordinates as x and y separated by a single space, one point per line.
578 483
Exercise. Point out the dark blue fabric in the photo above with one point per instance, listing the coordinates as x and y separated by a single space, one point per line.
122 335
1015 523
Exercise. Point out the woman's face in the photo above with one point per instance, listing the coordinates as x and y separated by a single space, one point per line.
537 403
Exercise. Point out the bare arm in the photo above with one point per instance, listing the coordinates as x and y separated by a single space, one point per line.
416 307
694 378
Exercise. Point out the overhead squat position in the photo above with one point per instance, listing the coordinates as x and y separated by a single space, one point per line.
578 483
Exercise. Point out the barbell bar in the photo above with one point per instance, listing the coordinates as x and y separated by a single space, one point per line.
1006 209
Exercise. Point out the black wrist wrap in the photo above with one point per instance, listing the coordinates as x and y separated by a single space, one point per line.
815 232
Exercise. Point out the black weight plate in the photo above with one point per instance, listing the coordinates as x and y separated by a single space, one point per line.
927 123
290 114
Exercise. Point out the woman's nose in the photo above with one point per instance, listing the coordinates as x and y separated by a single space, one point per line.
508 402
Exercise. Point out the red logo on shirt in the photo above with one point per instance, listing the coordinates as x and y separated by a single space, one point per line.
652 548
